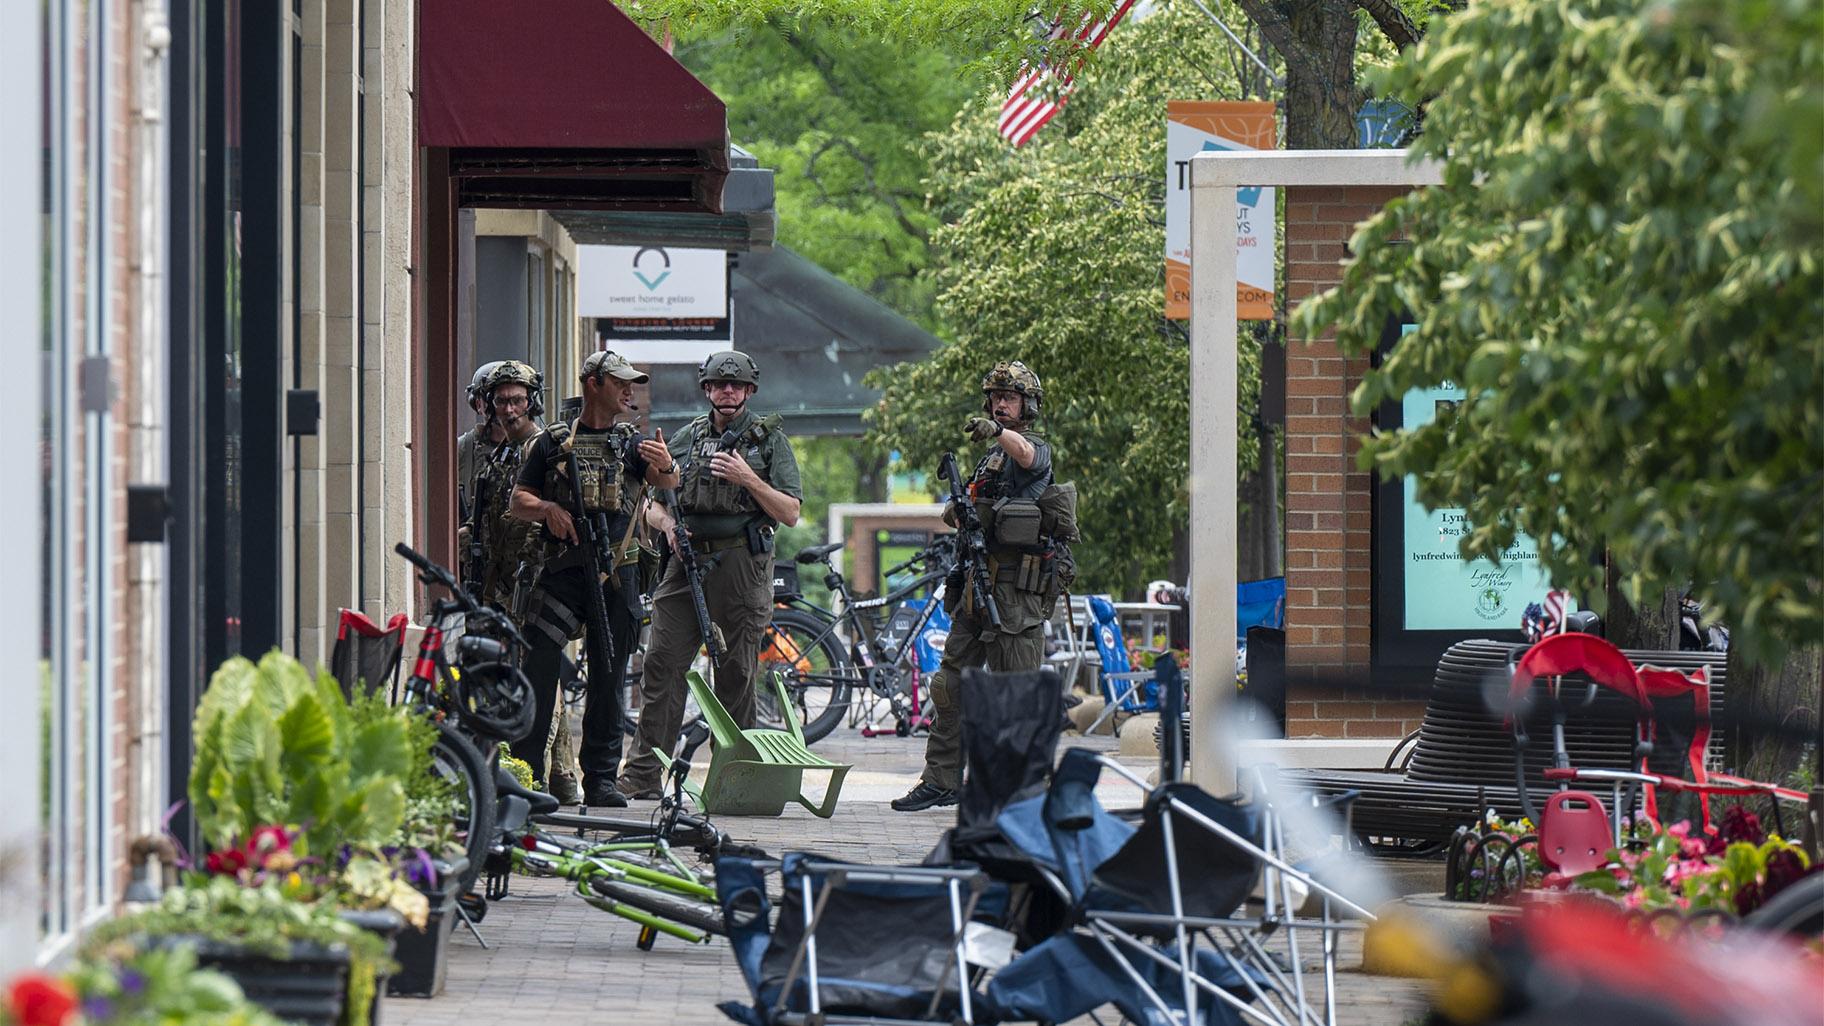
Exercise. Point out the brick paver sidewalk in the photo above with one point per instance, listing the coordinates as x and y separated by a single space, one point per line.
552 959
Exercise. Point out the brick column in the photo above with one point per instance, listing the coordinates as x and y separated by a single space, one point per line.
1329 593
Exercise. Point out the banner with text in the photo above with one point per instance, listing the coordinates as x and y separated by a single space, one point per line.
1193 127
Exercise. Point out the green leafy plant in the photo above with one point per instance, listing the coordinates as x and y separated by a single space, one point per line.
276 746
1623 270
262 920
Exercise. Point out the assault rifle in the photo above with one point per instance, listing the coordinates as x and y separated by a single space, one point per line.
598 562
474 559
971 540
694 569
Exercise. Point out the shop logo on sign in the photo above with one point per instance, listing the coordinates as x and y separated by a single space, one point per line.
651 284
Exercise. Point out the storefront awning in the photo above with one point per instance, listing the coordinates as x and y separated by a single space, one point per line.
566 104
814 337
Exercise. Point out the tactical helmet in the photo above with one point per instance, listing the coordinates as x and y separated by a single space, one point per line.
516 373
480 380
613 364
1014 376
729 365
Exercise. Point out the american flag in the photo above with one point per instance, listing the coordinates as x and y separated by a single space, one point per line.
1033 100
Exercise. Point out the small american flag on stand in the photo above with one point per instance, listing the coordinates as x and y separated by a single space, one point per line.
1033 100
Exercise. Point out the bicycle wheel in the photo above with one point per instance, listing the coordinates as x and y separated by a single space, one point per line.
817 674
454 757
704 916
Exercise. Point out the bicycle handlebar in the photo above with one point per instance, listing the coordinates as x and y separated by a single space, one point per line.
431 573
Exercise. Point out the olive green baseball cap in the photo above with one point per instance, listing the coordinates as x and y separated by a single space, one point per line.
613 364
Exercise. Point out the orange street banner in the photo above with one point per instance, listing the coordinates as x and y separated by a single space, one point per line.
1193 127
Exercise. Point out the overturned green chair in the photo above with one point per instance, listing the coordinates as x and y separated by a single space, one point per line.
755 772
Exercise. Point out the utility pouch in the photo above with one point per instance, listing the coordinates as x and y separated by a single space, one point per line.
1016 523
1032 574
759 537
1058 507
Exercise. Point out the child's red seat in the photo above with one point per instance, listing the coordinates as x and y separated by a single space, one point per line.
1574 833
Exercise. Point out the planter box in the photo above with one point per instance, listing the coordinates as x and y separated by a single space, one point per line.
308 987
423 956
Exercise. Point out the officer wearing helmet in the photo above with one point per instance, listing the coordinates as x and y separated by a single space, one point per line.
478 439
740 482
612 462
513 394
1010 477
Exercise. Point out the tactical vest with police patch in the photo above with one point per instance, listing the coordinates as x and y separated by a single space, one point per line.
701 493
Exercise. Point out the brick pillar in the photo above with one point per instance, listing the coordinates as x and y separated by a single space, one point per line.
1329 592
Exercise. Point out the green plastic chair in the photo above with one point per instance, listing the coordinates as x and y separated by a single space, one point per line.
755 772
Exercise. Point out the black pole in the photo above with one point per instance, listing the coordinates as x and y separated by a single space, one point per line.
263 60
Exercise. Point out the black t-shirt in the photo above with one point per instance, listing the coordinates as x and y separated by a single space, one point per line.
537 462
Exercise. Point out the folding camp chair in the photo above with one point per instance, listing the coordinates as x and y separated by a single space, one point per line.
365 652
1163 922
1124 688
852 943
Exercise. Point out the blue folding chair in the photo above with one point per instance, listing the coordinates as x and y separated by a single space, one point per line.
1124 689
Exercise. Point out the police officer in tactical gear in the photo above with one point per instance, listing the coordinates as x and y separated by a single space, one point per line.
740 481
612 462
1015 471
512 392
473 445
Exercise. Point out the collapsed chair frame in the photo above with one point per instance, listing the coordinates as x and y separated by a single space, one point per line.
1242 933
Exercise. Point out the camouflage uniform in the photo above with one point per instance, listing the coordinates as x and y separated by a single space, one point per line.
1025 587
733 537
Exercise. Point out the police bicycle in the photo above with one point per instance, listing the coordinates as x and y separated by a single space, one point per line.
861 654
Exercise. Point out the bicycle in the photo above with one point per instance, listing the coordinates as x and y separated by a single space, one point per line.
827 658
478 699
632 874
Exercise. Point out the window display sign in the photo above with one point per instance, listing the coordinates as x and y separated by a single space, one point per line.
1428 596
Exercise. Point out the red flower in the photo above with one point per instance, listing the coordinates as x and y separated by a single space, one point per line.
1741 825
1784 867
268 839
36 1000
226 862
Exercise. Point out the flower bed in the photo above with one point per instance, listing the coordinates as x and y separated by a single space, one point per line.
1674 870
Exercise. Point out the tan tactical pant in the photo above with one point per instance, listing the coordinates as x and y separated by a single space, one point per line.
738 589
973 642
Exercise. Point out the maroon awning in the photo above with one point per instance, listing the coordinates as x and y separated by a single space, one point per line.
557 75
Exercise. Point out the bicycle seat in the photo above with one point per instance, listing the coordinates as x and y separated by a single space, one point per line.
541 803
816 552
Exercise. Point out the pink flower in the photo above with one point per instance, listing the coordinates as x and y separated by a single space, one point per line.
1680 829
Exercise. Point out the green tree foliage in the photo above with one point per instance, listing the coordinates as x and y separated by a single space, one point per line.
993 36
1054 254
1622 269
842 122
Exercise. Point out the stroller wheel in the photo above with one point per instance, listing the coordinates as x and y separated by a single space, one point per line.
646 938
902 729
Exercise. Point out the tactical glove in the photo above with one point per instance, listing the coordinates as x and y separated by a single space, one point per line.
981 428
